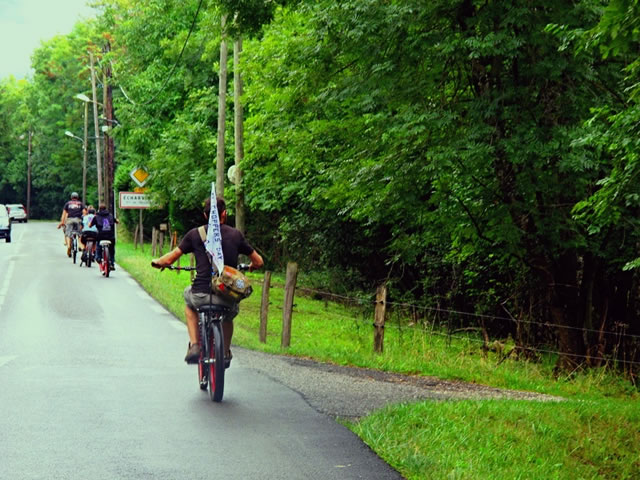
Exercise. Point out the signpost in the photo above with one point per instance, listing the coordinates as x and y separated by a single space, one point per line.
137 199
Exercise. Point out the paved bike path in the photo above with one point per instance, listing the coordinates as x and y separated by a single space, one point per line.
92 385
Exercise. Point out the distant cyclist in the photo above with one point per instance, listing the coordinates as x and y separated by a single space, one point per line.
71 219
106 225
88 231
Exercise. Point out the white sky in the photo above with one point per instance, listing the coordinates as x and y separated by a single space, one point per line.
24 23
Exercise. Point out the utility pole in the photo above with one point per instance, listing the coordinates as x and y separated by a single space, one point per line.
108 106
238 134
84 153
97 130
222 100
29 175
108 140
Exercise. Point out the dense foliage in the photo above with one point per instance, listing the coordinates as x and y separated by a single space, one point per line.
477 156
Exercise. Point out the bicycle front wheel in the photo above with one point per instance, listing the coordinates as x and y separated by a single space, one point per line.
216 368
203 368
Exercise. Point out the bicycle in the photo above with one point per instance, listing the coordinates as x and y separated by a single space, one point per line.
87 256
74 245
212 363
105 263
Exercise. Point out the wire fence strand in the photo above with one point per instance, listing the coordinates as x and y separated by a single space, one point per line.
532 349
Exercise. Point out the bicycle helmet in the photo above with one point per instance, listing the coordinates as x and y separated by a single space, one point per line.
74 195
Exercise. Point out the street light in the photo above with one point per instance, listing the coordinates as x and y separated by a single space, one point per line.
84 98
69 134
84 155
87 100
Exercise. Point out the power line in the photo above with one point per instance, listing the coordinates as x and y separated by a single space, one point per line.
166 80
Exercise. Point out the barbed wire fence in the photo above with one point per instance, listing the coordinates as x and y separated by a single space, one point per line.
437 321
449 324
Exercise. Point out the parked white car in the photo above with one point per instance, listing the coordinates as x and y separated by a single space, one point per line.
5 224
17 212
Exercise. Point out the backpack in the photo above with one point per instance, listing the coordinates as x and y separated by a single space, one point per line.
231 284
106 224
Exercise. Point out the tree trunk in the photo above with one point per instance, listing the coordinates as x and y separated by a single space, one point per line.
565 312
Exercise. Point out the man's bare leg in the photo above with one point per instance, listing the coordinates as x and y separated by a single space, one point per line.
192 325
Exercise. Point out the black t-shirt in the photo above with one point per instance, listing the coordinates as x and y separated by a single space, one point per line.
233 244
73 208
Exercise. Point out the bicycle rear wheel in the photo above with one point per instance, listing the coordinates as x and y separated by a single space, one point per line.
106 261
74 248
216 368
89 252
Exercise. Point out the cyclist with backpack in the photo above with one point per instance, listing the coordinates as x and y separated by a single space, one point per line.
105 223
87 231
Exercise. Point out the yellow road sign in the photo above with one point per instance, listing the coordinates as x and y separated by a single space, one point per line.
139 175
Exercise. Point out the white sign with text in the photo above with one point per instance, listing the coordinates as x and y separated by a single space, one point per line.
134 200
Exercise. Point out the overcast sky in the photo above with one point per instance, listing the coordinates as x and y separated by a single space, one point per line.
24 23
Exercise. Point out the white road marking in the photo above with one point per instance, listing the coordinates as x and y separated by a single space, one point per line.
178 325
5 285
7 359
158 308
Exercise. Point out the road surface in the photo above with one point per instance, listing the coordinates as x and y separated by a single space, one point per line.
93 385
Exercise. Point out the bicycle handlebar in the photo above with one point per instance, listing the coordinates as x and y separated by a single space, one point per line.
243 267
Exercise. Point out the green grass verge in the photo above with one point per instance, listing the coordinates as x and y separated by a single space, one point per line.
591 435
507 439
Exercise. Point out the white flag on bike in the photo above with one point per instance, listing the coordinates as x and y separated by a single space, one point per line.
213 244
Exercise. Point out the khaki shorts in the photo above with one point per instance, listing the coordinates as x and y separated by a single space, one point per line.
196 299
72 224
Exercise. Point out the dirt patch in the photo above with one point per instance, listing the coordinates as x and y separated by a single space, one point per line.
349 392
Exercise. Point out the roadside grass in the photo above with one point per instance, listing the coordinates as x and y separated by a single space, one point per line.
507 439
594 433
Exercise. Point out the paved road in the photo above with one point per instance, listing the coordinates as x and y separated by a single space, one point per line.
92 385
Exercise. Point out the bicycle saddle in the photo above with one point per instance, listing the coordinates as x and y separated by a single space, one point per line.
213 308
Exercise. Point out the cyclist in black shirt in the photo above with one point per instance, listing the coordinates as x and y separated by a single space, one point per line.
71 219
199 293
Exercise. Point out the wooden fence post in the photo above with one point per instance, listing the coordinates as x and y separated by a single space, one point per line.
378 323
287 310
135 237
141 231
154 242
264 306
